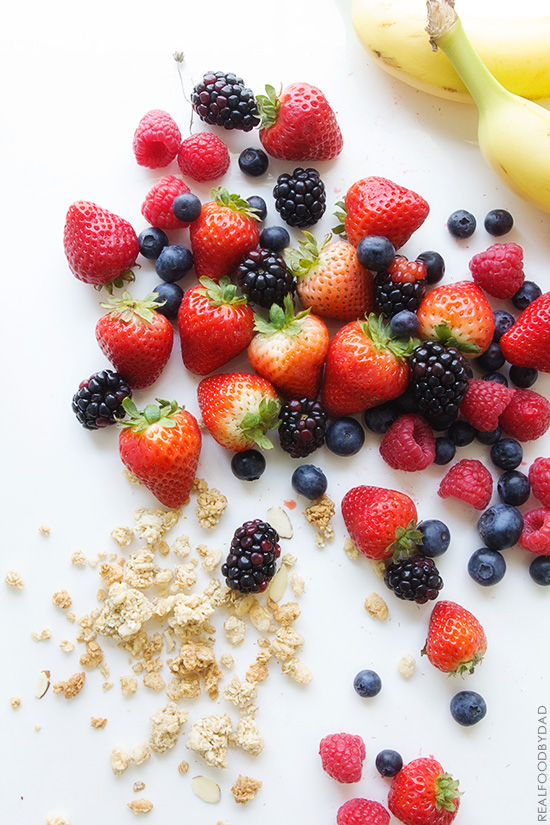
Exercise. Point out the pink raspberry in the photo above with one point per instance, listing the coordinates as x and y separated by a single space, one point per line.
409 444
362 812
539 479
527 416
157 206
342 756
470 481
203 156
484 402
499 270
156 139
535 536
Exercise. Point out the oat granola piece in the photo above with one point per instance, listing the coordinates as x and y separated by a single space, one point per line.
163 577
111 573
287 613
241 694
406 665
297 583
227 660
181 547
152 523
247 736
66 646
98 722
128 685
210 558
62 599
211 505
351 550
93 656
45 530
289 560
107 686
260 617
140 806
245 789
139 570
184 687
257 672
123 536
154 681
297 670
72 686
185 576
57 819
319 514
192 613
15 702
209 738
120 760
42 635
14 579
124 613
78 558
376 606
286 643
379 567
138 786
183 767
140 753
166 724
235 630
238 603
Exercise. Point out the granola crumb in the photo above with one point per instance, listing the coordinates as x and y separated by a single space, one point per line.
406 665
14 579
211 506
107 686
66 646
44 529
210 558
140 753
209 738
379 567
297 583
38 728
289 560
62 599
351 550
122 536
245 789
78 558
72 686
376 606
130 477
235 630
42 635
181 547
93 656
57 819
297 670
98 722
154 681
247 736
183 767
71 617
152 523
319 515
138 786
119 760
128 685
140 806
227 660
166 724
15 702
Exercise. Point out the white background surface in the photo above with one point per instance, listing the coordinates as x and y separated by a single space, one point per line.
77 79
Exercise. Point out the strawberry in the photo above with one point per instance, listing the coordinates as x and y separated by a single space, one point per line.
331 281
214 325
298 124
380 522
483 403
364 367
161 446
456 641
457 315
224 232
135 338
378 206
527 342
100 246
423 794
290 350
527 416
238 409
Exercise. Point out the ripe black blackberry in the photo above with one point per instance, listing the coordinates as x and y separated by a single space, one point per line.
415 579
250 564
303 427
400 287
439 380
300 198
265 278
222 99
98 400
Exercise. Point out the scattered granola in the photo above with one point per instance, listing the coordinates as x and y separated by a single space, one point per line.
319 514
235 630
210 558
66 646
166 724
98 722
183 767
152 523
241 694
376 606
351 550
181 547
45 529
57 819
245 788
128 685
297 670
379 567
138 786
72 686
93 656
124 612
78 558
120 760
62 599
260 617
107 685
247 736
42 635
211 506
140 806
140 753
123 536
209 738
297 583
15 702
406 665
14 579
227 660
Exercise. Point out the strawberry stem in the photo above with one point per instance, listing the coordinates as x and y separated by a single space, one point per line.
446 792
220 294
304 258
378 330
268 107
127 307
138 420
281 320
222 197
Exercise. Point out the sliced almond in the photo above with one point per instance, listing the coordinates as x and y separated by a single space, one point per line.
206 789
280 521
42 684
278 583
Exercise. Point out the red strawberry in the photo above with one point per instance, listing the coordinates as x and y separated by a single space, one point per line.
539 479
342 756
331 281
156 139
423 794
225 231
161 447
469 481
238 409
135 338
535 535
362 812
527 342
365 366
483 403
456 641
290 350
298 124
100 246
457 315
378 206
499 270
203 156
214 325
379 521
157 206
527 416
408 444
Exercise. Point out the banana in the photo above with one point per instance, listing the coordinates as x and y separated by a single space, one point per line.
516 52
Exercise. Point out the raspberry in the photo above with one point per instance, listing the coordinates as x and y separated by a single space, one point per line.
539 479
203 157
342 756
157 206
362 812
469 481
409 444
484 402
156 139
499 270
527 416
535 536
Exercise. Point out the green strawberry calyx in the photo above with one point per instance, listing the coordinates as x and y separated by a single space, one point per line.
220 294
254 425
406 541
469 666
303 259
163 413
222 197
126 307
269 106
281 319
121 280
340 214
445 335
378 330
446 792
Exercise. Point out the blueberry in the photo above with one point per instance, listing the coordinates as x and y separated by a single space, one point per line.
445 450
404 324
461 224
507 454
309 481
375 252
151 242
526 294
492 359
248 465
489 436
513 488
174 262
503 322
523 377
435 265
367 683
379 419
275 238
461 433
186 207
468 707
258 203
498 222
498 377
345 436
171 294
407 402
539 570
253 162
500 526
486 567
388 762
436 538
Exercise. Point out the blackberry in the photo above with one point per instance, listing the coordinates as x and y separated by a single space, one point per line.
399 287
250 563
303 427
439 380
265 278
98 400
415 579
300 198
222 99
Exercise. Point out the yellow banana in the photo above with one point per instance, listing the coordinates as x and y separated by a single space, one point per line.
516 52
